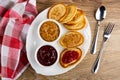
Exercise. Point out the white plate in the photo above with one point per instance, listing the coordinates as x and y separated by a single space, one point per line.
33 42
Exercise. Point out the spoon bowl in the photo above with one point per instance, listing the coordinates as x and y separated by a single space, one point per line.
100 13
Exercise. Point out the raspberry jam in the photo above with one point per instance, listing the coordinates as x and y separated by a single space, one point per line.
70 56
47 55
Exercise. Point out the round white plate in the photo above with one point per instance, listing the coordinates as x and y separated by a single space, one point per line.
33 43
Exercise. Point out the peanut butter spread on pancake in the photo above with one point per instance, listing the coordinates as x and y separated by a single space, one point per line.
49 31
71 39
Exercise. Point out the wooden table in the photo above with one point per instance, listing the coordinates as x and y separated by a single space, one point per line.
110 64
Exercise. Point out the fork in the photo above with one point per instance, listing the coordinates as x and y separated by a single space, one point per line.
106 36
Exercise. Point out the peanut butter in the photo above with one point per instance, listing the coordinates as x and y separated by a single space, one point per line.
49 31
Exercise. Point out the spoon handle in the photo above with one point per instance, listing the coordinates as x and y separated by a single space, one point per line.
94 44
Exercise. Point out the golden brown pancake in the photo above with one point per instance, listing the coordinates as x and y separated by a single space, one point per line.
57 11
71 39
70 57
77 18
70 13
77 26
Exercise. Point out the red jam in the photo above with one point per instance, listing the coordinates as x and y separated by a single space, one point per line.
47 55
70 56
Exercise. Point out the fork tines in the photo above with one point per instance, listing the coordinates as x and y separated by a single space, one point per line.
109 28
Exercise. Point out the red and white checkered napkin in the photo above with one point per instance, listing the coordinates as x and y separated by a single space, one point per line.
15 19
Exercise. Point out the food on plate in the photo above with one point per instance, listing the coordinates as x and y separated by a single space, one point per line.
70 56
70 13
73 19
71 39
57 11
81 24
47 55
49 31
77 18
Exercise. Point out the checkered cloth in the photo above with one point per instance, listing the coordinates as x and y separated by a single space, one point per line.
15 19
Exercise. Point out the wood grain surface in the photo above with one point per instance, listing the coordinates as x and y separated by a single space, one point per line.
110 63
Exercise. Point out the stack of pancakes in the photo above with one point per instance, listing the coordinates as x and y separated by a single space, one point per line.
73 19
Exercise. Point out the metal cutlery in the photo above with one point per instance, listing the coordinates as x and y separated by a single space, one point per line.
106 35
100 15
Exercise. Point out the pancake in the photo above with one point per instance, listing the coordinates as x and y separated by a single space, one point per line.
57 11
70 13
70 57
77 18
71 39
78 26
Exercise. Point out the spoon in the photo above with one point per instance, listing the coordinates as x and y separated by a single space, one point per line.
100 15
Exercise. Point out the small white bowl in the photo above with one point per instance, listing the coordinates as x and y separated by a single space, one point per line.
38 32
44 66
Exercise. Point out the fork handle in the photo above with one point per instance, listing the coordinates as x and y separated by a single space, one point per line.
94 44
98 59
